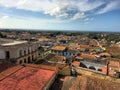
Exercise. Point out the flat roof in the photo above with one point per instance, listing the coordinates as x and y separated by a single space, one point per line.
13 43
27 78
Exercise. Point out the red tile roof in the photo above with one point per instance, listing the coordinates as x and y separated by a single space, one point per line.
44 38
88 46
86 56
114 50
74 46
27 78
75 63
104 54
78 57
61 48
114 64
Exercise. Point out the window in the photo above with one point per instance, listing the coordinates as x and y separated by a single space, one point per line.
100 70
24 52
83 65
20 61
70 54
24 60
28 50
92 68
20 52
7 54
29 59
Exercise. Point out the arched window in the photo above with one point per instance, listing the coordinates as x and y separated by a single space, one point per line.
92 67
100 70
83 65
24 52
20 61
24 60
29 59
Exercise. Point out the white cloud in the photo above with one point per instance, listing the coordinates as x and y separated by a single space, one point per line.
78 16
36 5
88 19
115 4
86 6
9 3
32 5
65 9
4 17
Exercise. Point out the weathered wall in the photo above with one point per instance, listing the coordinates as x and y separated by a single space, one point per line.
2 54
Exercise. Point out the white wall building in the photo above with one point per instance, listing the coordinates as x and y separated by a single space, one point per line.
18 51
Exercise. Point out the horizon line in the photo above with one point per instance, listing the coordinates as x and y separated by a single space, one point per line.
56 30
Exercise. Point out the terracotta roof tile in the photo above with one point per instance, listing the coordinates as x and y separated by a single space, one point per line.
88 56
114 64
27 78
104 54
75 63
61 48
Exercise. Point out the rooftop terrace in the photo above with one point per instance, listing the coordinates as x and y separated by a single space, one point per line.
7 42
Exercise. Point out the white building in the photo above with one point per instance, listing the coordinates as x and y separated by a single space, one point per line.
19 52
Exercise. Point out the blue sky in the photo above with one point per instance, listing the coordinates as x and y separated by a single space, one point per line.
75 15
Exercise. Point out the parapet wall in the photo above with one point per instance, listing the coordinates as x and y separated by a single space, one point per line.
53 68
96 75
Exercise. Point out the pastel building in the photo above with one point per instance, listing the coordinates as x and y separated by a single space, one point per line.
58 50
65 51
